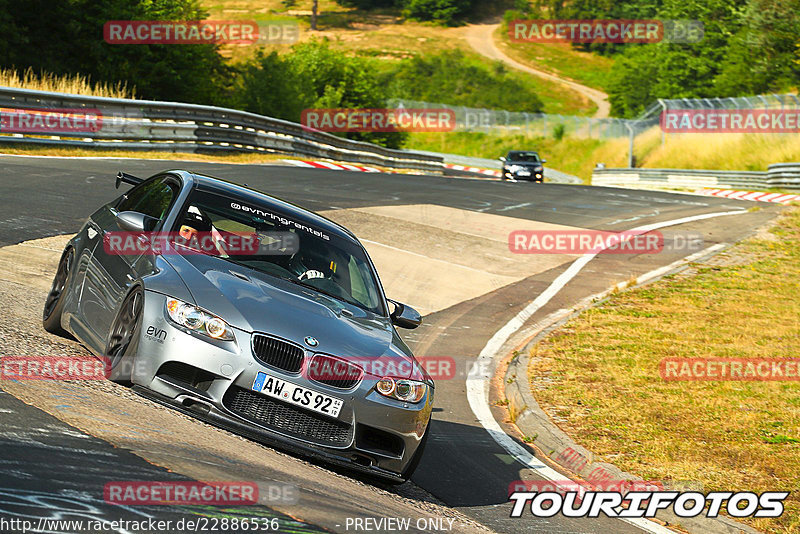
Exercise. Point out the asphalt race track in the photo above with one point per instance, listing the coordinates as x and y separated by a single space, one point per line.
62 440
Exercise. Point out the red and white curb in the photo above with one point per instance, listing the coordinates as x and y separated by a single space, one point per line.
488 172
346 167
331 166
760 196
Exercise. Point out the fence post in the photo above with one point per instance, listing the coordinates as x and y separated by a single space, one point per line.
661 119
630 144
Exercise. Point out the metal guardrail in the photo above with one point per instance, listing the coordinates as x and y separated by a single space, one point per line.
178 127
784 176
778 176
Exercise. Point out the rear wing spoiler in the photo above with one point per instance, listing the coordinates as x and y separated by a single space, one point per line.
128 179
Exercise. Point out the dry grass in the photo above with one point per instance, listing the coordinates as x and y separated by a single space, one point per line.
727 151
76 84
240 158
589 69
172 156
601 375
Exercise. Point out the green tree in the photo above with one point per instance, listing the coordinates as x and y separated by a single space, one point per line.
445 11
643 73
313 76
266 86
452 78
761 56
66 37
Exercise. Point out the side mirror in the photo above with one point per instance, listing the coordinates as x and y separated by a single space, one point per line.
405 316
133 221
502 158
544 161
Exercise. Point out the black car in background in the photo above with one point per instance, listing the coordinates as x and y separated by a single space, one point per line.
523 165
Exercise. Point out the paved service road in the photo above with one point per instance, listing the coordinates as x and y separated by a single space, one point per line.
438 242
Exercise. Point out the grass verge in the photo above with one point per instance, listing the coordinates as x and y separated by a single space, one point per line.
173 156
727 151
599 375
571 155
589 69
734 152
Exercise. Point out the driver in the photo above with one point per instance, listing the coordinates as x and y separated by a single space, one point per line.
195 229
312 263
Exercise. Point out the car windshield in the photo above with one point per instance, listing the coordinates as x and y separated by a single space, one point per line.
287 248
523 156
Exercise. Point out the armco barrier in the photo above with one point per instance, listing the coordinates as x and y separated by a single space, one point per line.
779 176
784 176
177 127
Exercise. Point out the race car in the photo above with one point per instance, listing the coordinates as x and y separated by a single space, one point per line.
251 313
522 165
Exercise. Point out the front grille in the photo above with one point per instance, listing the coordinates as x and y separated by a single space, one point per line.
287 419
278 353
334 372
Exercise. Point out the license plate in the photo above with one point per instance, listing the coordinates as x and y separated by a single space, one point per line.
523 172
297 395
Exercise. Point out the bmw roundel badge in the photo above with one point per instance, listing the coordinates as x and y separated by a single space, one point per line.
311 341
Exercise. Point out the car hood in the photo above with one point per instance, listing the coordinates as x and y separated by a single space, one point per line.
256 302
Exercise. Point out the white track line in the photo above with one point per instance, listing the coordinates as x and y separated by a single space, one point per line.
478 385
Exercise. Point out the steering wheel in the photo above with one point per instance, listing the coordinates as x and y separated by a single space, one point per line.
303 272
311 273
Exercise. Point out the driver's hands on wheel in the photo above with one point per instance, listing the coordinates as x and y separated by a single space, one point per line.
311 273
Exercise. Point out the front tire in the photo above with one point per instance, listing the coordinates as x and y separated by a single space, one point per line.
54 305
122 341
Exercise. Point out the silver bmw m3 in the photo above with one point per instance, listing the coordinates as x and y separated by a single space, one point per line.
248 312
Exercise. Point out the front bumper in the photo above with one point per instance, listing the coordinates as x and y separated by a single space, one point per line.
213 380
533 176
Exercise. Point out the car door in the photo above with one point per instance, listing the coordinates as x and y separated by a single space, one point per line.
110 272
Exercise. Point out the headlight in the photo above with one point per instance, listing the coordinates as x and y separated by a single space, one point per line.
538 169
198 320
402 390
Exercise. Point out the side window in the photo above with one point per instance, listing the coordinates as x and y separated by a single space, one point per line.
152 198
